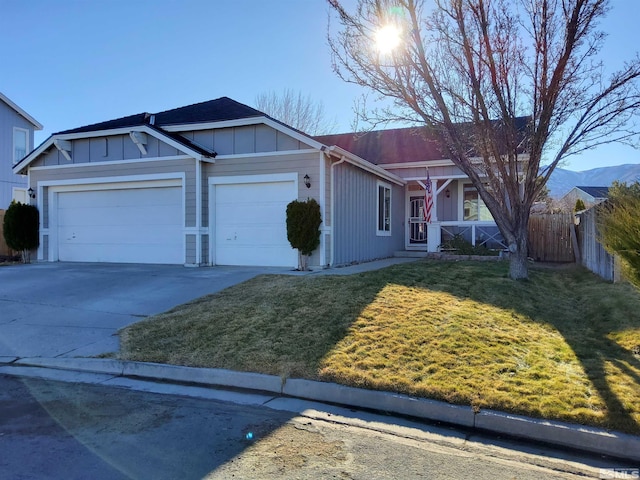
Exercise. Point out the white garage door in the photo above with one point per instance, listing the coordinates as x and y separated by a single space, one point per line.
250 224
137 225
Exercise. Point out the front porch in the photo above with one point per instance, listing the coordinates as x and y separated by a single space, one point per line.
457 214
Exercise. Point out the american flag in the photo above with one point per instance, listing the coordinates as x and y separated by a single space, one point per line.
428 199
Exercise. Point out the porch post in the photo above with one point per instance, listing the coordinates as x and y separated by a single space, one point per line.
434 190
434 236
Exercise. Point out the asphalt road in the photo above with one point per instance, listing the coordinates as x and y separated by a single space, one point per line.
56 430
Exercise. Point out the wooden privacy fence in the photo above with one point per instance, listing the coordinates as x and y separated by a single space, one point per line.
550 237
593 254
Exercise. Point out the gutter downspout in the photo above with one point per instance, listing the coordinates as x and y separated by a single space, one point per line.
333 208
323 201
198 212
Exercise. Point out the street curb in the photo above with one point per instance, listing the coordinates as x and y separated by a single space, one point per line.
376 400
158 371
579 437
562 434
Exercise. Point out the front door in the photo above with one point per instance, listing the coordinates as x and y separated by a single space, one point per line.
417 236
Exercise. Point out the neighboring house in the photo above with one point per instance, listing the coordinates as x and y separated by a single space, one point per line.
16 140
208 184
589 195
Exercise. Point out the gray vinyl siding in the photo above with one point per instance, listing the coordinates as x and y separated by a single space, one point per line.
205 249
244 140
355 222
45 245
191 249
446 208
9 119
44 202
95 150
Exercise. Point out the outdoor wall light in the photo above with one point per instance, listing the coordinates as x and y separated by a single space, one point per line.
31 193
307 181
447 193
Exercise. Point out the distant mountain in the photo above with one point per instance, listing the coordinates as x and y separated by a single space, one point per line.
562 180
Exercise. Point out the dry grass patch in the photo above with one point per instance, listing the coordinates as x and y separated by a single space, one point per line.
563 345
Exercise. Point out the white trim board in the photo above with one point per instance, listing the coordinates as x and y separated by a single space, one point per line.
274 153
113 162
270 177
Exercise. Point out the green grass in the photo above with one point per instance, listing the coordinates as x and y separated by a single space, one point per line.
563 345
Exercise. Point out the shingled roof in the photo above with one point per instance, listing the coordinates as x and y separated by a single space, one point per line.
596 192
387 146
217 110
399 145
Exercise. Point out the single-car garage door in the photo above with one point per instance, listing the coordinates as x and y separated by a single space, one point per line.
124 225
250 224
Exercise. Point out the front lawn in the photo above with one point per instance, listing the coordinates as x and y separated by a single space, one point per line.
563 345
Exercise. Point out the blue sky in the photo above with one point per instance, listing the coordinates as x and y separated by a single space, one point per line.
74 62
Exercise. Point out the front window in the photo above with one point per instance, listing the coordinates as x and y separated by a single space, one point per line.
474 208
20 144
384 209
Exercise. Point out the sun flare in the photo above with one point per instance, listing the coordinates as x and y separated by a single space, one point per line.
387 38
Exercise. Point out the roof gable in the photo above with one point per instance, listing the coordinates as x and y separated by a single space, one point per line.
36 125
596 192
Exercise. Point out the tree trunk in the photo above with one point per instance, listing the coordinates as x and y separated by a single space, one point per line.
519 253
518 266
302 261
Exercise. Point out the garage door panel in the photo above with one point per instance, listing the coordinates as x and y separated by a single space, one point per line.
104 234
109 253
151 215
250 223
254 193
241 212
258 236
250 256
125 197
141 225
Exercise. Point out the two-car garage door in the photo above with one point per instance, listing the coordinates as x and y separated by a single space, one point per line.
121 225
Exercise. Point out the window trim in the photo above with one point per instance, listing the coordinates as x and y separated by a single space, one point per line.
26 143
385 186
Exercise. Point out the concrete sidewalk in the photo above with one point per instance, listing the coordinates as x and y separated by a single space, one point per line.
267 389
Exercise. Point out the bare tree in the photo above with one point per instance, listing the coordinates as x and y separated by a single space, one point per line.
467 69
296 110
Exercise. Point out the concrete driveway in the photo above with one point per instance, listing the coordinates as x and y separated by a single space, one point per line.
75 310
